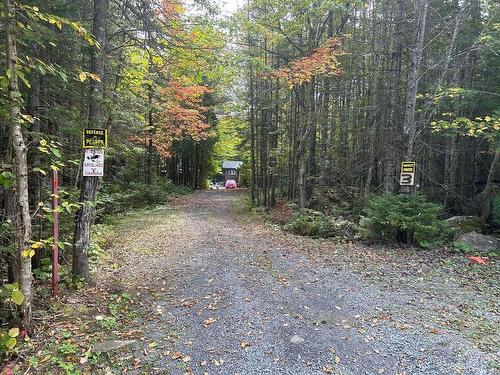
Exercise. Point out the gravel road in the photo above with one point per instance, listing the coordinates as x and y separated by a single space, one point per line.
232 295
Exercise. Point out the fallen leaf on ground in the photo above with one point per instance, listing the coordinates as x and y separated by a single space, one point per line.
176 355
208 322
477 259
244 344
328 369
189 303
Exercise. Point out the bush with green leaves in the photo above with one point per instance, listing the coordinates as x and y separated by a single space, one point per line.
101 237
495 210
408 218
308 222
118 198
10 297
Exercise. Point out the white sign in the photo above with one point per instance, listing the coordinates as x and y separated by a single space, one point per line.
407 179
93 163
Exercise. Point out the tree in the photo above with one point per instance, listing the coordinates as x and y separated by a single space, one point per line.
23 218
95 119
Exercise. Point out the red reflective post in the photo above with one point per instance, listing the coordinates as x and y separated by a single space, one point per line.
55 253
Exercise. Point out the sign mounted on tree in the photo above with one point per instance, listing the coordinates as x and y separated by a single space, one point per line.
95 138
93 164
407 176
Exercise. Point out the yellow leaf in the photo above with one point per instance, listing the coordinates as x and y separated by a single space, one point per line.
11 343
95 77
244 344
82 76
13 332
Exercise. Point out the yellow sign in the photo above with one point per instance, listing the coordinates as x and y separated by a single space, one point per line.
95 138
407 176
408 167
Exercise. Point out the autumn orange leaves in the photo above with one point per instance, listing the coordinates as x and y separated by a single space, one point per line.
322 61
181 116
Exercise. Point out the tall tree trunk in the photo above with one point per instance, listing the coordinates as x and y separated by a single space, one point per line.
89 184
23 219
324 134
393 95
252 134
409 123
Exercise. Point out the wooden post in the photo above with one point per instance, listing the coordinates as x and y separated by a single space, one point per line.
55 253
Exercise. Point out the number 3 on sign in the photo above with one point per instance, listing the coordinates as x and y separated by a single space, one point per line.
407 179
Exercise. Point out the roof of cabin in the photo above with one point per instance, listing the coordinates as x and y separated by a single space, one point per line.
231 164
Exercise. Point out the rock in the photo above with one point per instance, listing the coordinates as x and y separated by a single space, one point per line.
480 242
296 339
465 224
107 346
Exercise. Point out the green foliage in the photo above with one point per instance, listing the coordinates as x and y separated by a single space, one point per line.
68 367
6 179
109 323
119 304
10 293
101 236
44 272
308 222
387 217
10 296
8 341
121 198
495 209
465 248
462 247
67 348
230 138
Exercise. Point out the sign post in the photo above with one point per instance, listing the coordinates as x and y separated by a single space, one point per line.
407 175
55 253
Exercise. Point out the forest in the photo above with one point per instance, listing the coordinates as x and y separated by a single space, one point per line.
322 100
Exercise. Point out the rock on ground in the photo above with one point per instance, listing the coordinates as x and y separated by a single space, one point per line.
480 242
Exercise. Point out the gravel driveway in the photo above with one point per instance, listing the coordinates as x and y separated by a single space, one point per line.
231 295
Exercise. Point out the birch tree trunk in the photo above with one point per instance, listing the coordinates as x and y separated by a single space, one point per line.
89 184
23 220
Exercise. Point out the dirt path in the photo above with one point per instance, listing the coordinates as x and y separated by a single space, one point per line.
224 294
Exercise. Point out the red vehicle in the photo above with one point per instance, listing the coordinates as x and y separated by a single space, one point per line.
230 184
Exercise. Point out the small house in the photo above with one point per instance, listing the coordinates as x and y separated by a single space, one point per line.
230 170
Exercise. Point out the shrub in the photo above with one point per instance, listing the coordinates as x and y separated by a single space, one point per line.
101 236
495 209
462 247
119 198
308 222
406 218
